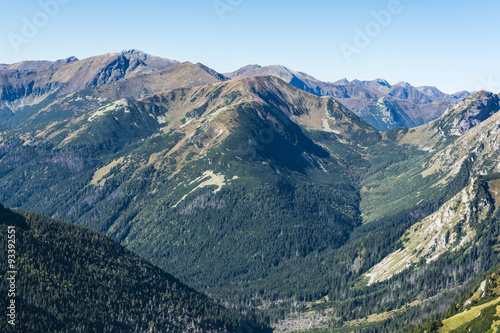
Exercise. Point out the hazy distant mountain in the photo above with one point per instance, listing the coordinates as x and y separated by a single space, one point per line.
305 82
389 112
379 84
436 93
380 104
404 91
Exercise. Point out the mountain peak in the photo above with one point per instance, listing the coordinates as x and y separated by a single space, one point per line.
153 61
132 52
68 60
382 82
210 71
377 84
249 67
257 70
402 84
342 81
147 57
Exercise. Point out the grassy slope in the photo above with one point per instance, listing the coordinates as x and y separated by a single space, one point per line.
463 318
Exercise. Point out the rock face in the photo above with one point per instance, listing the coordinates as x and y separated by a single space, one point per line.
473 111
116 70
152 61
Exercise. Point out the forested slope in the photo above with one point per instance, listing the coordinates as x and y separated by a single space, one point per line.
72 279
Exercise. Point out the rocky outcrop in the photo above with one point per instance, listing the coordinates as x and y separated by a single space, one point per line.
473 111
447 229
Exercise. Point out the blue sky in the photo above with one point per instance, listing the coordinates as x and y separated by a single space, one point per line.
450 44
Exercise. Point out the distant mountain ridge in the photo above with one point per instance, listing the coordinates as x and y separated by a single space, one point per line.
380 104
401 90
153 61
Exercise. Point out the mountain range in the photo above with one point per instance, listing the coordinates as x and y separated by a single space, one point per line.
264 188
134 74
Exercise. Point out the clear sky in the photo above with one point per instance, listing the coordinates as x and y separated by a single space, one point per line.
453 45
